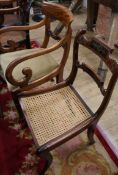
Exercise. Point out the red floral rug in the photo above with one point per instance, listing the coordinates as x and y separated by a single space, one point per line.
17 149
18 152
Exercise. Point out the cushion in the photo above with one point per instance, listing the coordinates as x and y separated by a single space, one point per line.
40 65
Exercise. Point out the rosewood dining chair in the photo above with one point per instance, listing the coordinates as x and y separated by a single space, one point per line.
57 113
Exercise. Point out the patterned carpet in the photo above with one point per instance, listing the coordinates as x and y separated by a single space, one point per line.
18 152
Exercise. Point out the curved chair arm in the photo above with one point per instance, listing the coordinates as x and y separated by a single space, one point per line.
22 28
27 72
103 51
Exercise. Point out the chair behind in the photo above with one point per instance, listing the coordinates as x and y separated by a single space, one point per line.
16 15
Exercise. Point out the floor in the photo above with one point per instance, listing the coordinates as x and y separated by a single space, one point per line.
109 121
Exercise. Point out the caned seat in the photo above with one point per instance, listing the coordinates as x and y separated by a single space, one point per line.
60 111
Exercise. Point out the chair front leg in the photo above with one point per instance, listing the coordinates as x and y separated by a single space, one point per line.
90 134
48 158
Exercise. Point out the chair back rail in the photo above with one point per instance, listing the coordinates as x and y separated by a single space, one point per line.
104 52
61 13
52 12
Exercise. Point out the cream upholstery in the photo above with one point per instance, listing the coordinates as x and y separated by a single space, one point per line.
40 66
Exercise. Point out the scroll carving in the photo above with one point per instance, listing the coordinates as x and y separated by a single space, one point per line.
27 72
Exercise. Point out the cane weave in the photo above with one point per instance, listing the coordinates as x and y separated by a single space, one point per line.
52 114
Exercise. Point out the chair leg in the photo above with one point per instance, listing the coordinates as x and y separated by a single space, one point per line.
17 105
48 158
90 134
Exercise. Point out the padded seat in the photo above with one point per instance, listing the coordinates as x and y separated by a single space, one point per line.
60 111
40 66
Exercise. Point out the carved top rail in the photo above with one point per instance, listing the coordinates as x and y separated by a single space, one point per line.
102 50
59 12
